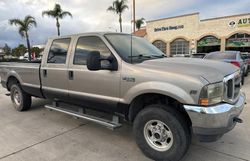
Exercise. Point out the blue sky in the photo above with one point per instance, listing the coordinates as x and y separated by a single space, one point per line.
90 16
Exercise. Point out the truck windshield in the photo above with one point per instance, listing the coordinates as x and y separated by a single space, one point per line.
141 49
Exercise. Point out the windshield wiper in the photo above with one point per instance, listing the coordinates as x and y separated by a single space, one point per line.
159 56
141 56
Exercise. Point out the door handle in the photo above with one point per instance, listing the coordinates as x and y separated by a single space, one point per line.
71 75
45 73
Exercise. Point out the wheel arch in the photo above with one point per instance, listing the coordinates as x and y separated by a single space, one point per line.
162 88
141 101
10 80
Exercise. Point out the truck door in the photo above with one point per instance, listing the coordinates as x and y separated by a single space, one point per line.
92 88
54 73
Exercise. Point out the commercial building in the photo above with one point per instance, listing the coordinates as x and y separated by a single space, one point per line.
187 34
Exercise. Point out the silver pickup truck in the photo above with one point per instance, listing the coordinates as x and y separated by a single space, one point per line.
166 99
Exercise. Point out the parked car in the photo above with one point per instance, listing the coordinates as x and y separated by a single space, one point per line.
198 55
166 99
233 57
246 58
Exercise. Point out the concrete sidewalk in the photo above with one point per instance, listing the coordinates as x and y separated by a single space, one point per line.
39 134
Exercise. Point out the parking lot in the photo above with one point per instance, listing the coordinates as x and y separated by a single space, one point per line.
40 134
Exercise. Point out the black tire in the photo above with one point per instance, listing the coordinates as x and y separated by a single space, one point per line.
177 125
243 79
246 74
23 102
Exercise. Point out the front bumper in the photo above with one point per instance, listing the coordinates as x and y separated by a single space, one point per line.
210 123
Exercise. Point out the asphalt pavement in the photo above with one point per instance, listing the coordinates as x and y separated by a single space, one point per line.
40 134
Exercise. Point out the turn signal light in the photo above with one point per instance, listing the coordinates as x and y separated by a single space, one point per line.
204 101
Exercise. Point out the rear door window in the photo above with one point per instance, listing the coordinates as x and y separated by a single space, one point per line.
58 51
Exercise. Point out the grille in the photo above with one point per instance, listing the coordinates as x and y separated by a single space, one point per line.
232 87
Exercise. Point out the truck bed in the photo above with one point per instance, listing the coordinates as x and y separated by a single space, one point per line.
28 74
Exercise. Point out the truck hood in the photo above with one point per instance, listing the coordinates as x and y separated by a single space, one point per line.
212 71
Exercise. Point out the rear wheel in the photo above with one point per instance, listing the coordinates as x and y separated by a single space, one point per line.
162 133
20 99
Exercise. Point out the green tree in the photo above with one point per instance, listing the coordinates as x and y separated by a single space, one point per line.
24 26
57 13
139 23
7 50
36 50
20 50
119 7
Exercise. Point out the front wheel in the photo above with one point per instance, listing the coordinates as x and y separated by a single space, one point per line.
20 99
162 133
246 73
243 79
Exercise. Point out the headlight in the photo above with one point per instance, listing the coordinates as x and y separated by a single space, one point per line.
211 94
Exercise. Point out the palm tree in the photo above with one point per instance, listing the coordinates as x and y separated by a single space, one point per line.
139 23
24 27
118 7
57 13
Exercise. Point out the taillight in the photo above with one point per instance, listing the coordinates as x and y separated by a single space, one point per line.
236 63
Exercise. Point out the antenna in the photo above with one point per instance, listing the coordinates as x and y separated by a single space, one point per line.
134 15
132 28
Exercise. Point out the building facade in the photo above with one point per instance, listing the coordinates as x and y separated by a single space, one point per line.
187 34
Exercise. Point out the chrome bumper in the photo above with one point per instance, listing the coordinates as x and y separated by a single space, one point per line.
215 120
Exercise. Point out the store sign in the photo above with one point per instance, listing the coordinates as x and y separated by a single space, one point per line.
232 24
244 22
238 42
169 28
209 41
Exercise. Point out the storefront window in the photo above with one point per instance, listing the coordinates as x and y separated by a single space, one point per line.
239 42
208 44
161 45
179 47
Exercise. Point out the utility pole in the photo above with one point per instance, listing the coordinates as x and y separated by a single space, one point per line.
134 15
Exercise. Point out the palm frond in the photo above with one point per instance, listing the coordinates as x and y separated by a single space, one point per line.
49 13
16 22
31 23
57 8
123 2
111 8
123 8
64 14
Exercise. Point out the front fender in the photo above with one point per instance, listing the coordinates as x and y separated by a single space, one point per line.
163 88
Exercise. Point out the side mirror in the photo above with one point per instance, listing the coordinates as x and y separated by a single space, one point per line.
94 62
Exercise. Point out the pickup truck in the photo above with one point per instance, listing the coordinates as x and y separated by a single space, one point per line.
166 99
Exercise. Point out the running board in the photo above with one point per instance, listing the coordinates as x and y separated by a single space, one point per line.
107 123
